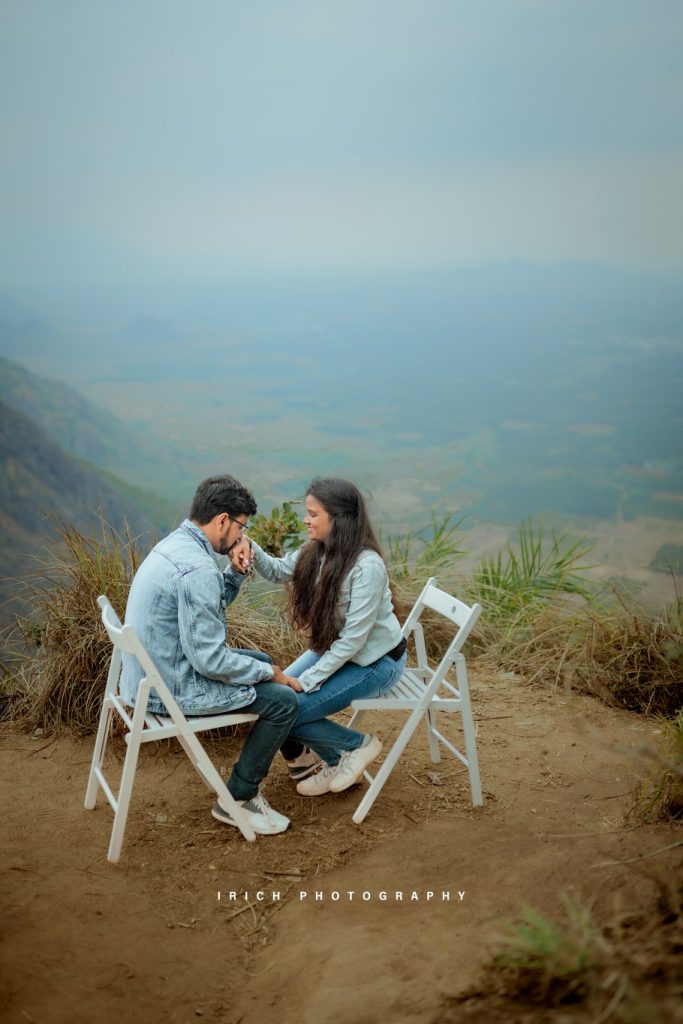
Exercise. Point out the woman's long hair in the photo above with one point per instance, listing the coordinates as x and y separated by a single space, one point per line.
322 566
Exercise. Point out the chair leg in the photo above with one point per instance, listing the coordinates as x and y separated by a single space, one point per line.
434 749
356 717
134 739
103 728
123 799
215 784
194 760
388 766
468 730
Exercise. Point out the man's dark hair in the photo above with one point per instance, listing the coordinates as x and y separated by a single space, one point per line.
219 494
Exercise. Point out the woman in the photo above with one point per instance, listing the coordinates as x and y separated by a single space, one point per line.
340 597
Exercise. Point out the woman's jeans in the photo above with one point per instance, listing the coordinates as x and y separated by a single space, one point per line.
313 728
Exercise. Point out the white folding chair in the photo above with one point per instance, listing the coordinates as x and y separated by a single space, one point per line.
144 727
424 692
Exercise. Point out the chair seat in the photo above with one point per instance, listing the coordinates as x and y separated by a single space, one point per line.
407 694
165 725
162 727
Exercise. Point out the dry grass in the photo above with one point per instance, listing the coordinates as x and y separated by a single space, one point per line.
629 658
659 796
58 658
636 658
258 621
538 621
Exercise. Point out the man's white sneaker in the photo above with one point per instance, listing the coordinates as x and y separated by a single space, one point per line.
262 817
304 765
353 763
316 785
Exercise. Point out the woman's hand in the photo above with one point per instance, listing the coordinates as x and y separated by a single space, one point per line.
280 677
240 556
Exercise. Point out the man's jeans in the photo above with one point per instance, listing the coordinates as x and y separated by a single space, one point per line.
350 682
277 707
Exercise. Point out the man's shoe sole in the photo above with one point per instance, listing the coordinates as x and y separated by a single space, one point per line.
297 774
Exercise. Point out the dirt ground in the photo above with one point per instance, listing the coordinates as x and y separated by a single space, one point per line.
149 940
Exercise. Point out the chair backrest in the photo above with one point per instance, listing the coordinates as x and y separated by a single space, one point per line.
460 614
112 624
125 638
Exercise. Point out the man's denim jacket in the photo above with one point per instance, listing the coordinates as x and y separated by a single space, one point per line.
177 606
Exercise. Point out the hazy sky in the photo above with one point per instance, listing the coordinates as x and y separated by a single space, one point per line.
177 141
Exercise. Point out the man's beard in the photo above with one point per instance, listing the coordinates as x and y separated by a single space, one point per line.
225 549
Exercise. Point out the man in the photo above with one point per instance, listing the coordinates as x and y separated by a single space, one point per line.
177 605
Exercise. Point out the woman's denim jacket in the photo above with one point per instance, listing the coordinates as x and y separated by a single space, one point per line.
177 606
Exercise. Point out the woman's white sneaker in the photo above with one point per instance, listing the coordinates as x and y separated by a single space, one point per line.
353 763
316 785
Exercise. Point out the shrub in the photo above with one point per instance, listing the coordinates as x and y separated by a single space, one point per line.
281 531
660 795
635 660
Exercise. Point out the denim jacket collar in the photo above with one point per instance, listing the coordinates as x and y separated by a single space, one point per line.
197 535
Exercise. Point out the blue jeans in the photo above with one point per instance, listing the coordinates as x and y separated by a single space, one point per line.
277 707
312 727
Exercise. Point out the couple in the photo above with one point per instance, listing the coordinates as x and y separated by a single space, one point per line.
339 597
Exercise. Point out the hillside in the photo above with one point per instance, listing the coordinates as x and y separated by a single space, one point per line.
40 482
85 430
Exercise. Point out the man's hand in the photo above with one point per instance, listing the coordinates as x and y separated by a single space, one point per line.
240 556
280 677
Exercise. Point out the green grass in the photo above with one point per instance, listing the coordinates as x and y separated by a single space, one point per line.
526 576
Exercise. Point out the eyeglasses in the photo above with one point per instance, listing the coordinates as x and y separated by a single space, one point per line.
243 526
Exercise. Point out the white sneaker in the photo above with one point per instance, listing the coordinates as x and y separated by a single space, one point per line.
316 785
262 817
353 763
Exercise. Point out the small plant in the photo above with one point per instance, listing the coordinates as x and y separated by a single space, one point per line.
281 531
430 551
423 552
553 961
527 579
625 971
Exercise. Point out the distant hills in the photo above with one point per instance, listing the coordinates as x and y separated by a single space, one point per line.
84 429
41 484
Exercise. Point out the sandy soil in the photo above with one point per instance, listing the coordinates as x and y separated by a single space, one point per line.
149 940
